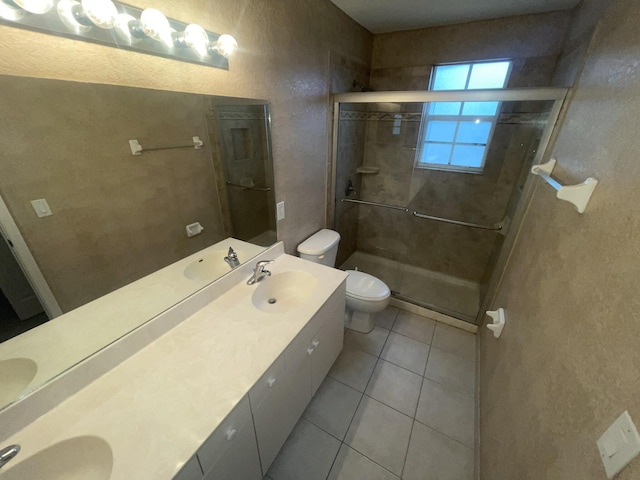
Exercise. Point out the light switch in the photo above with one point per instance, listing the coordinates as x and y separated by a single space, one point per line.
619 444
280 210
41 207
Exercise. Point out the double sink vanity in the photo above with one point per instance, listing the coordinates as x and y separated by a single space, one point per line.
208 389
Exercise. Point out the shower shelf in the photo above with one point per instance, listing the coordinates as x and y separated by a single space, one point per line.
367 170
578 195
136 148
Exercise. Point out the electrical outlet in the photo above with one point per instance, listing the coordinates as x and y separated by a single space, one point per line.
619 444
280 210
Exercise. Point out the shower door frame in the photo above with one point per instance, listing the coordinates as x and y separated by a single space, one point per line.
557 95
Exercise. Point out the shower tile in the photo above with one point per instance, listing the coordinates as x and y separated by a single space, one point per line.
406 352
432 455
353 368
414 326
351 465
451 370
364 435
333 407
449 411
396 387
371 342
308 453
456 341
387 317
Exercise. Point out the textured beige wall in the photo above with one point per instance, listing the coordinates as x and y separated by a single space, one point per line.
284 58
568 360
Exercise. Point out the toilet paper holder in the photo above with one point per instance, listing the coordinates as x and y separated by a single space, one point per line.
499 320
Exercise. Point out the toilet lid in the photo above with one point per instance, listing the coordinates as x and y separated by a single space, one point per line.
362 285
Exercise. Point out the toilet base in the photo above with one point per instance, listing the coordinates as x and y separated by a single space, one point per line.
362 322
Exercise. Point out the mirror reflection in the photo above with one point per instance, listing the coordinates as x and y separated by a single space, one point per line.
101 240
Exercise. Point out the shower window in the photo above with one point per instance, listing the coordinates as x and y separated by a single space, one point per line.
455 136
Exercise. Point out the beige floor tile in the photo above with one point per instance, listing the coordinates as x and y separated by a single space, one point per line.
351 465
371 342
396 387
456 341
387 317
414 326
308 453
333 407
432 456
451 370
353 368
449 411
406 352
380 433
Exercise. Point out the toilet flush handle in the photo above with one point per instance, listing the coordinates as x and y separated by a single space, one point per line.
321 257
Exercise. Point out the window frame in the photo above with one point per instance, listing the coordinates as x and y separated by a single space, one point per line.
427 117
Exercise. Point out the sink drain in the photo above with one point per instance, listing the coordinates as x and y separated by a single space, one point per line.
272 301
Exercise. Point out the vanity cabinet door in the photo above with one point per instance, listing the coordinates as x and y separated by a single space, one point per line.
327 345
190 471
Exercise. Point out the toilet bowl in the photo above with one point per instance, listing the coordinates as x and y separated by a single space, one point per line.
366 294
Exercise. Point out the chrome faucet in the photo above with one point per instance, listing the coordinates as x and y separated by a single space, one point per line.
7 453
232 258
259 273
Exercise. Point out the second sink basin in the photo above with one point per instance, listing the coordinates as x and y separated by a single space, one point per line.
15 376
78 458
284 291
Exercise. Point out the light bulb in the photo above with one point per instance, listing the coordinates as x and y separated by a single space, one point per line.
155 25
196 38
35 6
122 30
102 13
69 12
226 45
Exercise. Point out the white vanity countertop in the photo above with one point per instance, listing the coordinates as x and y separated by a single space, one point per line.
157 408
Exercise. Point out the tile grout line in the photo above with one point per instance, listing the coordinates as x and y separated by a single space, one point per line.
406 453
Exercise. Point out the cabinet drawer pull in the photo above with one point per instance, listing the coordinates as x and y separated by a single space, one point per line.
231 433
315 343
310 350
271 382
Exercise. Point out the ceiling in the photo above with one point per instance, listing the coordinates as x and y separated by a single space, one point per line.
381 16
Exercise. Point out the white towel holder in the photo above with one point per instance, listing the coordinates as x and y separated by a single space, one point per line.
499 319
578 195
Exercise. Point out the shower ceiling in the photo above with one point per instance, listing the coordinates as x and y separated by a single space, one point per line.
380 16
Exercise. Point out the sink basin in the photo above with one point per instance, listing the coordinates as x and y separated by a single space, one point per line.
15 376
284 291
78 458
212 265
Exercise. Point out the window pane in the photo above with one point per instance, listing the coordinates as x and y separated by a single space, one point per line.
441 131
445 108
472 132
437 153
450 77
488 109
467 156
488 75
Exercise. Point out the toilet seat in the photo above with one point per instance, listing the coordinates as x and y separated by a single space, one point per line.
362 286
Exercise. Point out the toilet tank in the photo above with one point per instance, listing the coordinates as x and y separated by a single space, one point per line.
321 247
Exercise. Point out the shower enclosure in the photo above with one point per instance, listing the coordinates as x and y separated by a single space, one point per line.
428 187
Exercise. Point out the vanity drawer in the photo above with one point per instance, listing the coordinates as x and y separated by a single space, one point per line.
223 439
267 383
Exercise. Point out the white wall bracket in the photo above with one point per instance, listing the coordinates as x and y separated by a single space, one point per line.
136 148
578 195
499 320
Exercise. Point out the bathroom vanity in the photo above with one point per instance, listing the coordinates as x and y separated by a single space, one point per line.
213 397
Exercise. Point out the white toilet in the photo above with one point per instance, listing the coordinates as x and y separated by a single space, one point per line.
366 294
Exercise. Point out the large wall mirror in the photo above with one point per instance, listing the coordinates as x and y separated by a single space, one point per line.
105 231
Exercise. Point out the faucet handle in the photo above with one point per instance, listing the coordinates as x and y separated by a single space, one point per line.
232 253
263 263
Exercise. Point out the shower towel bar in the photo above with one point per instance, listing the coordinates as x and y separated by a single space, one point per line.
136 148
247 187
496 228
374 204
578 195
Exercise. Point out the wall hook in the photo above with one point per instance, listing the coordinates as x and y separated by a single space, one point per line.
578 195
499 320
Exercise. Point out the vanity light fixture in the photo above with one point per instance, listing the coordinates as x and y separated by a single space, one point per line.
121 26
